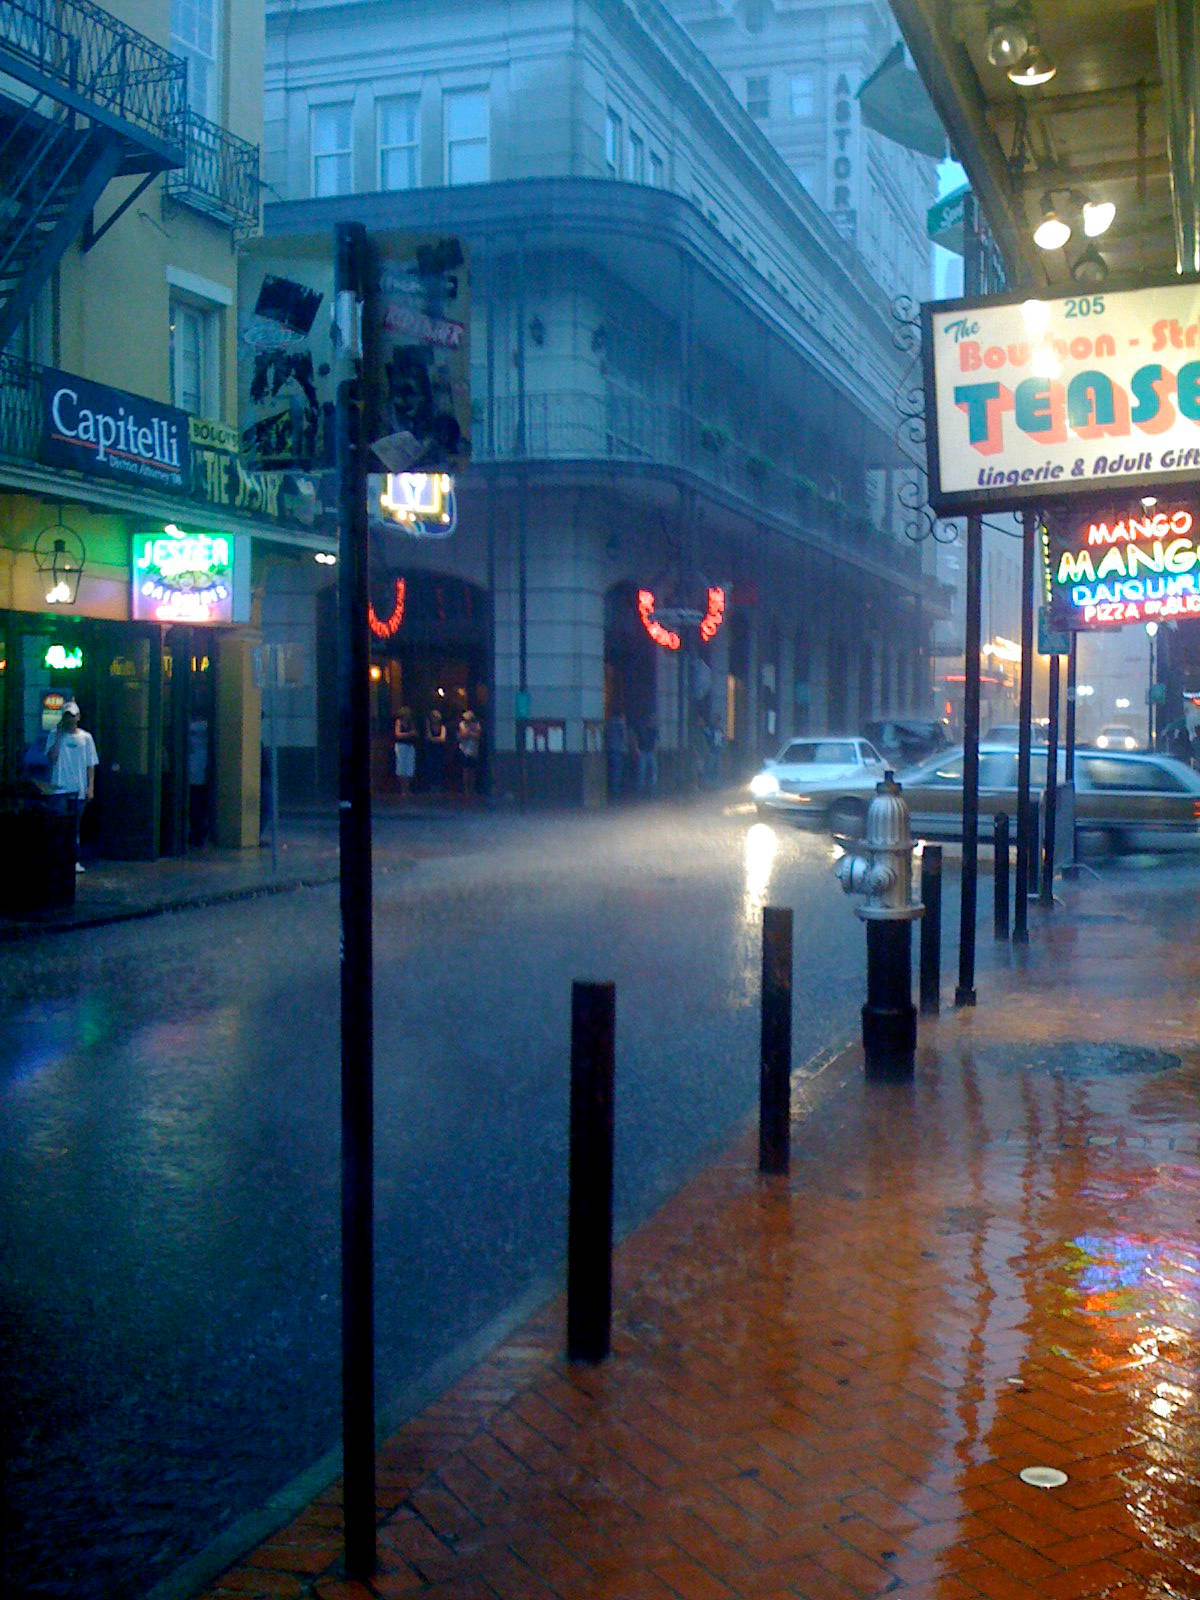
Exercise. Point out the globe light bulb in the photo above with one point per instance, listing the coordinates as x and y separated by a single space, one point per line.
1051 232
1098 217
1007 43
1034 69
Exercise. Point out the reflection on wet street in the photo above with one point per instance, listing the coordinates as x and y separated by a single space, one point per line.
830 1386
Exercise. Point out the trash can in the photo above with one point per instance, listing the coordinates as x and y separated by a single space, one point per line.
37 848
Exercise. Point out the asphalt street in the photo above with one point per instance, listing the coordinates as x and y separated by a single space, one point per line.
169 1179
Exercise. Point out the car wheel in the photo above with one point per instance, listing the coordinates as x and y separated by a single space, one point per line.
847 819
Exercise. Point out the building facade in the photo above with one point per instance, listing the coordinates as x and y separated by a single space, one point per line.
129 528
682 494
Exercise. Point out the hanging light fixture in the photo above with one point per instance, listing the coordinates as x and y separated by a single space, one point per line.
1098 217
1091 266
1007 41
1052 232
60 556
1034 68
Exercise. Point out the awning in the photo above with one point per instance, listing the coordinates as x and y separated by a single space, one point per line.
894 103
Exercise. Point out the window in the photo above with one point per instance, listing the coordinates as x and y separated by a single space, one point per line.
1105 773
194 37
635 159
194 345
657 174
802 100
758 97
465 114
331 150
613 143
397 130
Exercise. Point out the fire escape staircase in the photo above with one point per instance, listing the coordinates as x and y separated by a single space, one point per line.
84 99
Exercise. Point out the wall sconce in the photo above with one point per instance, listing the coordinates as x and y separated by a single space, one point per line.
599 339
537 330
60 555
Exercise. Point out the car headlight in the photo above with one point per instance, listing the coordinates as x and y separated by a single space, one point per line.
1130 744
764 784
1102 742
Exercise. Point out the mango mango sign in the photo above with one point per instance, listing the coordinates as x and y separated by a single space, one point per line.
1033 401
1123 563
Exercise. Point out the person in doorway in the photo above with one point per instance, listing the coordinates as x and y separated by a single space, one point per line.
616 750
435 751
71 753
470 739
647 756
404 749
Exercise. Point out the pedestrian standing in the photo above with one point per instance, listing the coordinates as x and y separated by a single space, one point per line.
71 753
647 756
470 738
404 749
616 749
435 751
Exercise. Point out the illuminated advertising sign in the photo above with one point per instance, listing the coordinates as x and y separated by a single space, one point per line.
423 503
1124 564
91 428
190 577
1032 400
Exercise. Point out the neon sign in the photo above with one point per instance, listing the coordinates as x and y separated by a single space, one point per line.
184 577
60 659
657 625
1125 567
388 627
423 503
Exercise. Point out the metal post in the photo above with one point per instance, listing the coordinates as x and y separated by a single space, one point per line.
1071 868
1000 875
1051 809
889 1018
964 994
931 930
590 1203
775 1054
358 1308
1021 907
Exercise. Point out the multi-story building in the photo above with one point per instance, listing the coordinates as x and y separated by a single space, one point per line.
682 382
128 527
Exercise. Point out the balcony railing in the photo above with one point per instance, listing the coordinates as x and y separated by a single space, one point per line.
96 61
616 427
20 409
219 175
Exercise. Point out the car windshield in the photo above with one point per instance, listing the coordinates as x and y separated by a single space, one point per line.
818 752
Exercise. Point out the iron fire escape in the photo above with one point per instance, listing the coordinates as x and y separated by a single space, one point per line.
84 99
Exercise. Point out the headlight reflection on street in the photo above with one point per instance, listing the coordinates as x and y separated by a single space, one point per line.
761 845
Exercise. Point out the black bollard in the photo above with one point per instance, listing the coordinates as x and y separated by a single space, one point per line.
590 1206
889 1018
775 1053
1000 875
931 930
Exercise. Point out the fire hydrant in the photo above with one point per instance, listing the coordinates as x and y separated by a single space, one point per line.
885 875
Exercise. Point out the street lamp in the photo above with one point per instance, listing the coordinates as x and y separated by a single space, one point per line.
1151 630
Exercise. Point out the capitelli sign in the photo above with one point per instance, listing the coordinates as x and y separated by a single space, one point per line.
1033 400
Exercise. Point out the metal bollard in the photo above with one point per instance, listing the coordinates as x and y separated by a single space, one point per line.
1000 875
931 930
590 1204
775 1054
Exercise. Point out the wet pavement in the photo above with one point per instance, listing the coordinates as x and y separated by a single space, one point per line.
827 1386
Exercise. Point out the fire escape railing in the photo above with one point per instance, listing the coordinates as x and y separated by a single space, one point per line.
219 175
77 53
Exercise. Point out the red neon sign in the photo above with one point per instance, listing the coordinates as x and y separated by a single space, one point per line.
660 635
715 614
387 629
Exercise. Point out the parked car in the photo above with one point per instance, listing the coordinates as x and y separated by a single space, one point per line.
1010 733
822 783
903 741
1117 736
1124 801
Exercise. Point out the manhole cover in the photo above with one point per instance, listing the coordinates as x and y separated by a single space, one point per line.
1043 1477
1076 1059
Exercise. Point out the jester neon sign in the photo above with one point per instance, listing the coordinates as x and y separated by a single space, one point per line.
666 636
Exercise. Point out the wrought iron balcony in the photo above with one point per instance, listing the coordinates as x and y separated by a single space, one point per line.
219 175
75 53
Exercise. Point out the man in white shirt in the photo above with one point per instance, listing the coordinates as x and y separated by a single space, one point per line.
71 752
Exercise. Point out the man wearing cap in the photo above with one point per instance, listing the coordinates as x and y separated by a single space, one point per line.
71 752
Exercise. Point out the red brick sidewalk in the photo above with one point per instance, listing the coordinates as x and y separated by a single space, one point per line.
827 1386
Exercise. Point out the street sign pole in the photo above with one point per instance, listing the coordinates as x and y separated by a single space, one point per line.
964 993
357 1027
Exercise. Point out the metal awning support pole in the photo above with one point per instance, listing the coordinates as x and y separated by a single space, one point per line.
1071 868
1025 830
964 993
354 816
1046 891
